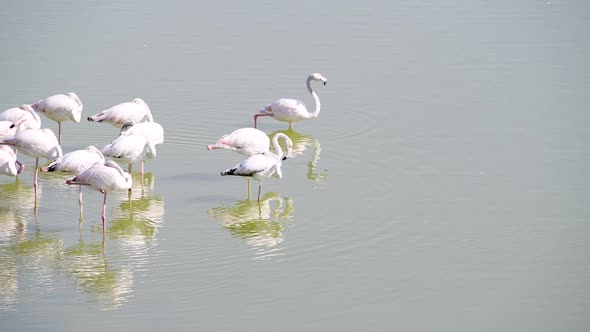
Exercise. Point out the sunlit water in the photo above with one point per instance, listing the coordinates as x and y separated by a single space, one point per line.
442 187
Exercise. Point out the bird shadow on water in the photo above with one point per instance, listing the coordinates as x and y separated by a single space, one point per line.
301 142
259 223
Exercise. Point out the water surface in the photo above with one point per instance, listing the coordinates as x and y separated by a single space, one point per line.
443 185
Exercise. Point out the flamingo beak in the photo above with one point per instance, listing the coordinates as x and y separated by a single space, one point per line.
17 123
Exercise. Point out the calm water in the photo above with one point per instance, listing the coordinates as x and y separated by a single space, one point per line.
442 187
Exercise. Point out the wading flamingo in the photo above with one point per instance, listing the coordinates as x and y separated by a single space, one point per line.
251 141
60 108
76 162
292 110
36 143
31 120
103 177
130 149
8 163
260 166
135 111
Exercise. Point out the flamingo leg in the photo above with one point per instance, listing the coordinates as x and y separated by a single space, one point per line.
249 188
59 133
259 189
35 184
104 212
81 203
129 168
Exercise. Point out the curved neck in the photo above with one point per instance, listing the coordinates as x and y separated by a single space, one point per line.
277 146
315 98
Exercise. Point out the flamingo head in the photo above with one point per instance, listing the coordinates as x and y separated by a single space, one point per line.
75 98
318 77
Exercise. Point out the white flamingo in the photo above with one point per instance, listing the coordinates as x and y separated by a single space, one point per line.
36 143
130 149
251 141
8 162
260 166
60 108
293 110
76 162
135 111
103 177
152 131
7 128
31 120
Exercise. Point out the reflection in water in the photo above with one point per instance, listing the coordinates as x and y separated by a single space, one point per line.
42 258
300 144
18 197
38 256
260 224
88 266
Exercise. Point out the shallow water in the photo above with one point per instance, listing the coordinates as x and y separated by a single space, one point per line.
443 185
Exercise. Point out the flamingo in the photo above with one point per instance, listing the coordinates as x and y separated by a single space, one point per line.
7 128
76 162
292 110
132 111
8 162
36 143
103 177
250 141
31 120
260 166
60 108
130 149
152 131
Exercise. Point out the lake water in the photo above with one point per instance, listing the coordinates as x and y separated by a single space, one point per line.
442 187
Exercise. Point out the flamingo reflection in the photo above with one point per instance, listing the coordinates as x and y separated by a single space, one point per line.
301 142
258 223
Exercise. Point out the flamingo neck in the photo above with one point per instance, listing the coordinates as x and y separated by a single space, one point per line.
318 105
277 146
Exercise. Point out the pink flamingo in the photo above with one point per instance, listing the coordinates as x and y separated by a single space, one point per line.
76 162
8 162
31 120
132 111
103 177
251 141
260 166
36 143
292 110
60 108
130 149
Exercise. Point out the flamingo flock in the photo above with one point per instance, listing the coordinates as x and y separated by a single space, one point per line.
21 131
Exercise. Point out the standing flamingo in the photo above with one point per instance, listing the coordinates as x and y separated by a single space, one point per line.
8 162
292 110
31 120
36 143
251 141
132 111
130 149
103 177
60 108
152 131
76 162
260 166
